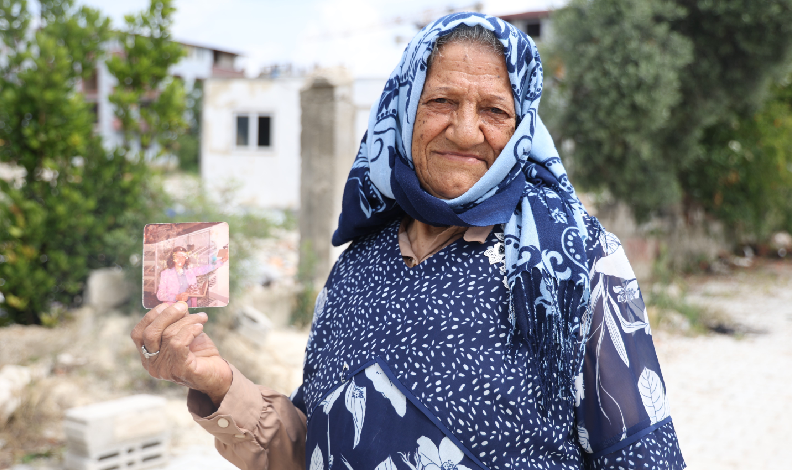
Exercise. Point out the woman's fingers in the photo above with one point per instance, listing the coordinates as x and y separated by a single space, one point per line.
152 334
174 336
178 342
137 332
185 354
173 359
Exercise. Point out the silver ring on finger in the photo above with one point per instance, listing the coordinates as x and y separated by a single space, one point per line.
147 354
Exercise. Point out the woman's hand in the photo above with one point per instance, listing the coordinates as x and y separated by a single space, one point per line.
186 354
182 297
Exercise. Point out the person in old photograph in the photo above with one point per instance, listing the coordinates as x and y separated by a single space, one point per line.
479 319
181 275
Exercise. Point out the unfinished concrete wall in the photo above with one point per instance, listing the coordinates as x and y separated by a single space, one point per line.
328 147
681 241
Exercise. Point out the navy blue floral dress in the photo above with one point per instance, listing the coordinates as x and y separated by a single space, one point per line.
418 369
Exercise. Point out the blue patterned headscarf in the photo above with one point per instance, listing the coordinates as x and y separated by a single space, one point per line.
526 188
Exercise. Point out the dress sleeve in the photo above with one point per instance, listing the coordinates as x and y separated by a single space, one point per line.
254 427
622 410
201 270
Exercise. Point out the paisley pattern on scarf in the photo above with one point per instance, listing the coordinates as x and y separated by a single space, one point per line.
526 189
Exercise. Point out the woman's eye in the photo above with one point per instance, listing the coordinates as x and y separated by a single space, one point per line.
497 111
440 100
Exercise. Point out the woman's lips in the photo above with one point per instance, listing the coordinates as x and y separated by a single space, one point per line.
463 158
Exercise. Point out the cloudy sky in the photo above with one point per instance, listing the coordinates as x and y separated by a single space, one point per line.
368 36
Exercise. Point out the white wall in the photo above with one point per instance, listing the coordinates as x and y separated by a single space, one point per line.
365 92
267 178
197 64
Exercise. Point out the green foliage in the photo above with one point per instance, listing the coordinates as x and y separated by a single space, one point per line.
747 179
149 103
75 206
649 85
188 146
621 82
45 217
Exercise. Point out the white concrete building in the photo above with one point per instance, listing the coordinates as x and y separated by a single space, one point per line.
251 139
251 136
536 24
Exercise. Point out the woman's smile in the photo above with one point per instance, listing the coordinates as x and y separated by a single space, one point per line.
465 117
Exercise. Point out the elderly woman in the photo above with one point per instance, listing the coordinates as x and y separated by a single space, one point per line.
479 318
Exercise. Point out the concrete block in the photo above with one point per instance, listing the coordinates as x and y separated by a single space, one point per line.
107 288
130 433
253 324
275 301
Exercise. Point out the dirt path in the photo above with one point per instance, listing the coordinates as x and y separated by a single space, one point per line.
731 395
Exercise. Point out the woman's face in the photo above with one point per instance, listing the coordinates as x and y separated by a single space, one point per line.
179 258
464 119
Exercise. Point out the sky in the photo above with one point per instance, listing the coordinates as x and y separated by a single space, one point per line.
366 36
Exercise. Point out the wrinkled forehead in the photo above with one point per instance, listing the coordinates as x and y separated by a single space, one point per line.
522 63
520 53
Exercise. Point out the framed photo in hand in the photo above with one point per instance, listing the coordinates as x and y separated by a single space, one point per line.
186 262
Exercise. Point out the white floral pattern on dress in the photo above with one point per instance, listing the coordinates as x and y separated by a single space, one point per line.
446 457
383 385
355 400
653 396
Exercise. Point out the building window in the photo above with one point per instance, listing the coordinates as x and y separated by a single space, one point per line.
534 30
264 131
254 131
242 130
90 84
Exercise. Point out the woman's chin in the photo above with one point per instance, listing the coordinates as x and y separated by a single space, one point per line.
450 190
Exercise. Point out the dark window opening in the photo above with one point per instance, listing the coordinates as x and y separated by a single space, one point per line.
242 123
91 83
534 30
264 131
95 111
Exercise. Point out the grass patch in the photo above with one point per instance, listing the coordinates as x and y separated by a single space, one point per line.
673 312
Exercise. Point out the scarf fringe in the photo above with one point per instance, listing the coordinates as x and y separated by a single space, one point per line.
548 315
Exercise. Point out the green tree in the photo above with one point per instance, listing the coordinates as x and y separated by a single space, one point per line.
619 86
46 131
747 178
648 83
77 206
149 103
188 146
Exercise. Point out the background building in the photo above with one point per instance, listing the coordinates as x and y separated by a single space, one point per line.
199 64
251 126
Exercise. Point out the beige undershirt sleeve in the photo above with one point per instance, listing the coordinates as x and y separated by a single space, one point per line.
255 427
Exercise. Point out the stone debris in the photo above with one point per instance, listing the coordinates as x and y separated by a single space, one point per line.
13 381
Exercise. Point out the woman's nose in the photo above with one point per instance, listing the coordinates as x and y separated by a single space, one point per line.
465 129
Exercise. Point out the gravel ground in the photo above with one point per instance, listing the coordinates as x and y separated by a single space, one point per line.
730 393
